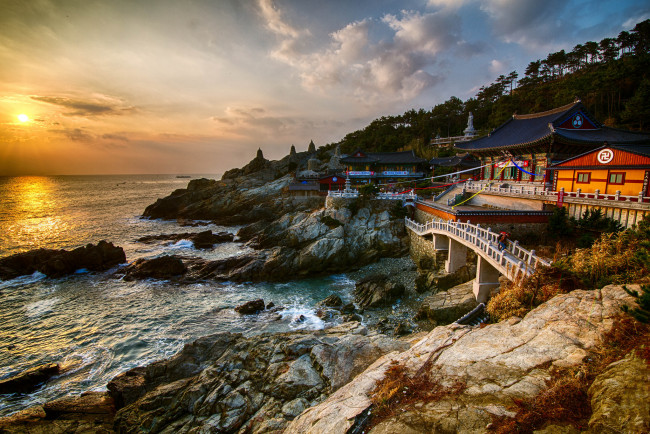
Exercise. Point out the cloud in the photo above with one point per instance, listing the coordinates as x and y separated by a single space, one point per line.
527 22
77 135
101 106
370 70
115 137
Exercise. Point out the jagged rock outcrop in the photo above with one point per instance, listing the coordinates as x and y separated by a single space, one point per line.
498 363
297 245
201 240
228 383
445 307
162 267
250 194
377 291
59 263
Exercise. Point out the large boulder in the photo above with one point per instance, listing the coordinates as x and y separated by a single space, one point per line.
162 267
251 307
377 291
59 263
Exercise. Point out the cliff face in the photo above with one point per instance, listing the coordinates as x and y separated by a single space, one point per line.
499 363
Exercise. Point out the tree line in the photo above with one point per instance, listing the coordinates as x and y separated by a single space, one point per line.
610 77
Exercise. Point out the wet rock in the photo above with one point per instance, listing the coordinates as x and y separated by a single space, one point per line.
92 412
163 267
59 263
96 403
251 307
201 240
249 384
377 291
331 301
29 380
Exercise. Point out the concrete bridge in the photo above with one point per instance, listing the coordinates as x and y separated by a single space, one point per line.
514 262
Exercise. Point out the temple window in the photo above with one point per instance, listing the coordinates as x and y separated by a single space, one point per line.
583 178
617 178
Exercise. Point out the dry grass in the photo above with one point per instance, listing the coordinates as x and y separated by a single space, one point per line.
399 390
518 298
566 400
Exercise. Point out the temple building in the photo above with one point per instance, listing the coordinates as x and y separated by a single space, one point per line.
535 142
366 167
463 163
620 170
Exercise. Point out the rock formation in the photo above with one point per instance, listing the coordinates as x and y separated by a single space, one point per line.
59 263
201 240
227 383
497 363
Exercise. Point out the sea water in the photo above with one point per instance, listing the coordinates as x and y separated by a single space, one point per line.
96 325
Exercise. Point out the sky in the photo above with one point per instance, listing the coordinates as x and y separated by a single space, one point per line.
197 86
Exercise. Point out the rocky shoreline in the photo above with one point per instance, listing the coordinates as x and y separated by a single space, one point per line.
323 381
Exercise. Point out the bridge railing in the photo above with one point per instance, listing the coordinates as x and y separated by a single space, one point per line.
514 260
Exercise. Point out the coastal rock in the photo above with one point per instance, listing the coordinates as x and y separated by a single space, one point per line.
163 267
377 291
59 263
331 301
29 380
201 240
251 307
91 412
228 383
497 364
446 307
620 397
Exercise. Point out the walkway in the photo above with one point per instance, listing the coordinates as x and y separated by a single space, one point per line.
514 262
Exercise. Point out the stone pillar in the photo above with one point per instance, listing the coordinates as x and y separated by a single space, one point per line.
487 278
440 242
457 256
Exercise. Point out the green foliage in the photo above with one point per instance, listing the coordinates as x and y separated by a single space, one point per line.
368 191
642 312
593 219
559 225
398 211
330 222
609 76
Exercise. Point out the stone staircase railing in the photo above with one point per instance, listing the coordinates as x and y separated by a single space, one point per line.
540 191
513 262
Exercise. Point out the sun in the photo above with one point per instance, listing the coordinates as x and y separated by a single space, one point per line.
23 117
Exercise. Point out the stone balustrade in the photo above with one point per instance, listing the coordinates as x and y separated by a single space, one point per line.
514 262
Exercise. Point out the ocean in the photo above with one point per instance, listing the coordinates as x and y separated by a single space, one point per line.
97 325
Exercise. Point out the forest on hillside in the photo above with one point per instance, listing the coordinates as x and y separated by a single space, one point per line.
610 77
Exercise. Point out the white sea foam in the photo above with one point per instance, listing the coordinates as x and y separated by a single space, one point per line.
302 318
40 307
23 280
183 244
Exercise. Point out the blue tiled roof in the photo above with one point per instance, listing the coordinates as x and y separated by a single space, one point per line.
523 130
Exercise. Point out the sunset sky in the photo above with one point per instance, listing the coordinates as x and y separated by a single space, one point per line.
189 86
